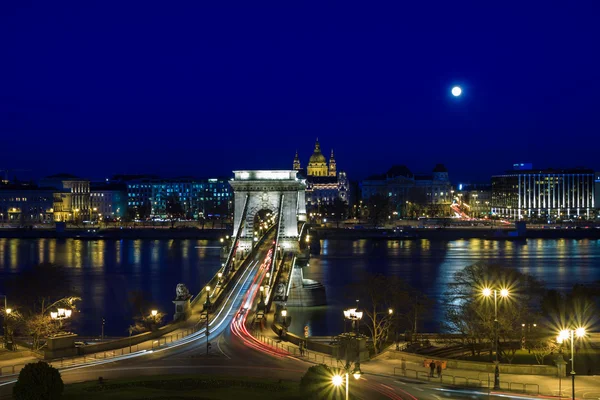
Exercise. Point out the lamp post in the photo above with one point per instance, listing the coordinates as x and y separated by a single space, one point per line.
487 292
207 309
60 315
338 380
284 321
354 315
565 334
7 311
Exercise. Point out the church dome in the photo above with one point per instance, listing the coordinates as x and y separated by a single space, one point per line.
317 158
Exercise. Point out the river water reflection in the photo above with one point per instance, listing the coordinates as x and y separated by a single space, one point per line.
430 265
105 271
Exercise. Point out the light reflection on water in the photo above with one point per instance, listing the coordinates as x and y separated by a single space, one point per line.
105 271
430 265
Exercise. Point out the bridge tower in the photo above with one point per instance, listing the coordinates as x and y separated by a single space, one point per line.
281 193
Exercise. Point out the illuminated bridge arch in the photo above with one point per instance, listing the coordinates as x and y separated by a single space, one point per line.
268 190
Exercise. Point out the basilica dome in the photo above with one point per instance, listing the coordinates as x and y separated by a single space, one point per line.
317 158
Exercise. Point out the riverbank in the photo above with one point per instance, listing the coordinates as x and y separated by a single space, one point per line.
452 233
115 233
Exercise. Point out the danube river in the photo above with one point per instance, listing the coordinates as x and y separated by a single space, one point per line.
105 271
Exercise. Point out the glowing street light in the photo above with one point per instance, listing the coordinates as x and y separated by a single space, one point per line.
567 334
487 292
456 91
154 313
337 380
60 314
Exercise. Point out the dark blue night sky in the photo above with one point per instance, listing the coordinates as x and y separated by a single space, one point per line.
173 89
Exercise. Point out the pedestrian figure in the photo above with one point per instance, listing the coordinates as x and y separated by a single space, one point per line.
403 366
439 370
301 347
431 368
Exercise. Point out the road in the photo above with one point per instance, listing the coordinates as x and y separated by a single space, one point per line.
234 352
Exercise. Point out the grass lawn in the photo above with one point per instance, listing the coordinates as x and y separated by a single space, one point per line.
587 360
175 387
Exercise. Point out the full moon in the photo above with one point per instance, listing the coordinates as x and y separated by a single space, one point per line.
456 91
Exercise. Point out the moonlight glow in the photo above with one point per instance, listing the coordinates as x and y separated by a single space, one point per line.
456 91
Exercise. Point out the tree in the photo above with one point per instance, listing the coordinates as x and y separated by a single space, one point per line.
378 294
38 381
39 291
542 348
579 307
316 383
142 316
471 315
379 209
174 209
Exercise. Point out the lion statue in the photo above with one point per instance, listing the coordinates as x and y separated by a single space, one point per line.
182 292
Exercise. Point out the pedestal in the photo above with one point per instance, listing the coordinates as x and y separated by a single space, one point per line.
61 345
561 366
182 309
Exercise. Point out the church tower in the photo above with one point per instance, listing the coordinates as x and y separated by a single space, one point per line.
297 162
332 166
317 164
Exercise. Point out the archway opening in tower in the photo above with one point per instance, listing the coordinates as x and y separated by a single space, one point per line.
263 220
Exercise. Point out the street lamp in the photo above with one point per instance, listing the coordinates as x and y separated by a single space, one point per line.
284 321
354 315
338 380
60 314
207 308
219 275
487 292
154 313
565 334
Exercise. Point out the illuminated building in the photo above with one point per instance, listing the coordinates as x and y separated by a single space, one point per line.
25 203
198 197
108 201
324 183
71 197
544 194
431 192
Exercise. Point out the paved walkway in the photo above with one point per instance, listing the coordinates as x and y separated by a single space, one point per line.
389 363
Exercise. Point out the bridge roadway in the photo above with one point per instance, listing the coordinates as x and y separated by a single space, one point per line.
234 353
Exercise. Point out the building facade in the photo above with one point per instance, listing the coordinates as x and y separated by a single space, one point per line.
411 195
324 183
108 201
26 204
477 199
148 197
71 197
544 194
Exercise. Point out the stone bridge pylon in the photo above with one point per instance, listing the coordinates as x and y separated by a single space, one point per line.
279 192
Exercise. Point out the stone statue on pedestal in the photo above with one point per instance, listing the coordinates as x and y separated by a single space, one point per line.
182 302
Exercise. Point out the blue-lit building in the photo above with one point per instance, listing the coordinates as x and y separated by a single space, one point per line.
198 197
544 193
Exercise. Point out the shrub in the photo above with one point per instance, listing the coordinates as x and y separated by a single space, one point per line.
316 383
38 381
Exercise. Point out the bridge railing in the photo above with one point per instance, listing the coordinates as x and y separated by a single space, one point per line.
66 362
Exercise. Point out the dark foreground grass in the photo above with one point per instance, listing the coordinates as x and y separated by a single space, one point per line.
175 387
